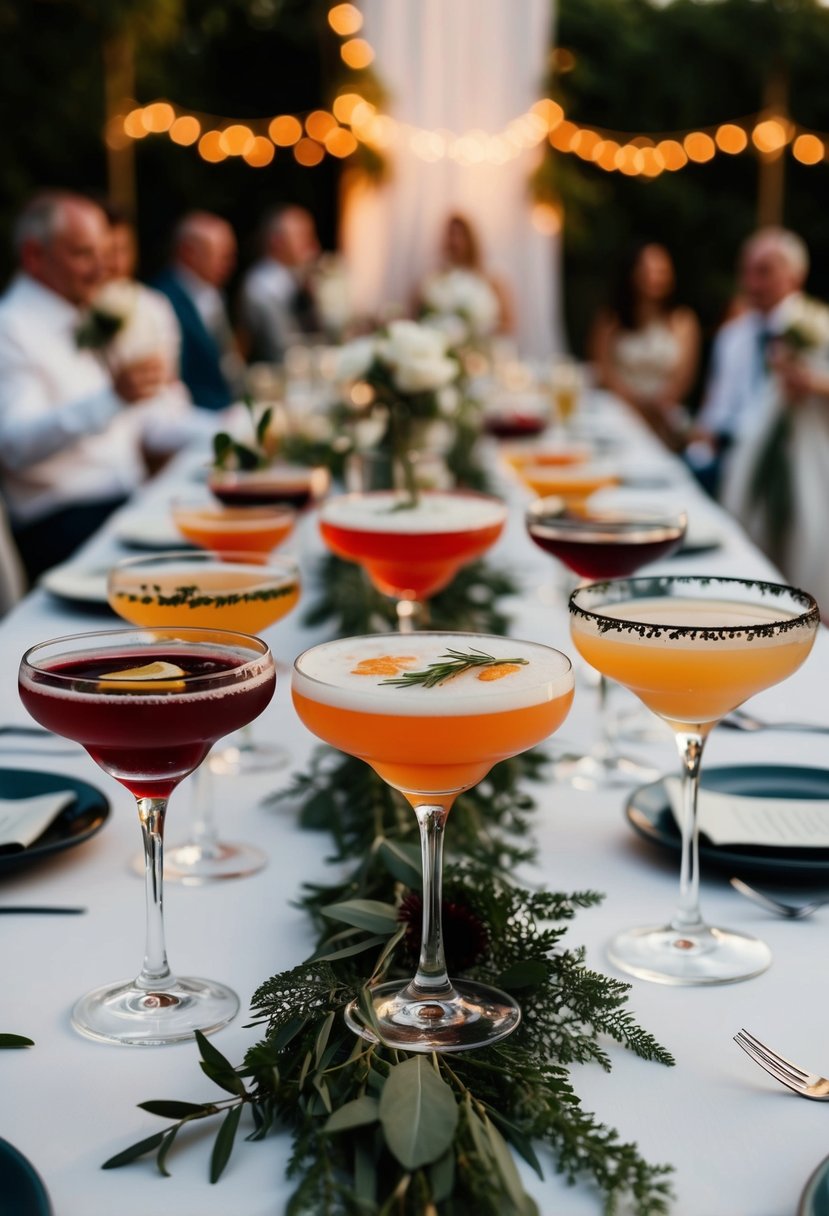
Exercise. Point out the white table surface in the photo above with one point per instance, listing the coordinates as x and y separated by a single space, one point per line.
741 1145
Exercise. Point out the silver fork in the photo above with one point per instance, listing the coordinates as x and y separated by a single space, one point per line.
789 911
804 1084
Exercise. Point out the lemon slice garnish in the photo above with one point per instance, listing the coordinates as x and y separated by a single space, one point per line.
166 676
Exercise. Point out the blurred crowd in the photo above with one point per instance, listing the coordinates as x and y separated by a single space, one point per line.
102 377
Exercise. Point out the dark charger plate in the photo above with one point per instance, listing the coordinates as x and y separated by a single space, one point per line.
649 813
80 819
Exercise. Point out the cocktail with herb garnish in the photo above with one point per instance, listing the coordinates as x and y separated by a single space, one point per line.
411 549
245 592
432 713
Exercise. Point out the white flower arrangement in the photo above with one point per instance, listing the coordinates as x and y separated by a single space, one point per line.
458 298
412 356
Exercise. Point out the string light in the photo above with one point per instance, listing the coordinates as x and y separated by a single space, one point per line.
345 19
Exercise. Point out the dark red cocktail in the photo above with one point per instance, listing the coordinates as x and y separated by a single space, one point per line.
295 486
599 544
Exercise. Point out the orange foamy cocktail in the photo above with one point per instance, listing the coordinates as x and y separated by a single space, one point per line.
411 551
432 713
240 529
573 482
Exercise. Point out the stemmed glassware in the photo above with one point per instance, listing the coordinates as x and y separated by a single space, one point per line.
692 648
147 705
432 713
241 591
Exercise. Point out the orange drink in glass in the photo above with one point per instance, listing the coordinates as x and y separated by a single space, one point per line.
431 742
573 482
237 529
692 648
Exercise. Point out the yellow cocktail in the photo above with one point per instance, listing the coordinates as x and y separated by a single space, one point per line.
692 649
432 713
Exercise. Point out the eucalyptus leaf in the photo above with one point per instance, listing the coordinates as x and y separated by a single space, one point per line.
166 1145
15 1040
322 1038
223 1145
262 425
442 1177
167 1109
521 1143
418 1113
506 1165
368 914
403 862
360 1112
359 947
217 1067
528 973
365 1176
135 1151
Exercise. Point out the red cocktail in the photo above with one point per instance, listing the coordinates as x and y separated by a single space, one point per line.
602 544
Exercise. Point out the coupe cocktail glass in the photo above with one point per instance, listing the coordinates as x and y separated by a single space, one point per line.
297 486
692 648
409 550
234 529
245 592
148 705
431 744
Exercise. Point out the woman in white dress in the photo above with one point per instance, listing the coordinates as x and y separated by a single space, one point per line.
645 346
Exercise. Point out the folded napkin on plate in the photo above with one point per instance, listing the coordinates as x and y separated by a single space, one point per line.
22 820
735 819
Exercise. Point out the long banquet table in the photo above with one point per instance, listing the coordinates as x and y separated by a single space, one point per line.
740 1144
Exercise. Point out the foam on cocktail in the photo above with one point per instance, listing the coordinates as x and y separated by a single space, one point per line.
433 512
330 674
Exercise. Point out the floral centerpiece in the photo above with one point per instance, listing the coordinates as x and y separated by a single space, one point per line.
462 305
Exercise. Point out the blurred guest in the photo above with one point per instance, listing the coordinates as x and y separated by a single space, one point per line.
277 302
777 477
463 287
203 259
70 451
646 346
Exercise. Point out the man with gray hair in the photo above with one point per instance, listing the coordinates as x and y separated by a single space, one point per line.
277 301
70 440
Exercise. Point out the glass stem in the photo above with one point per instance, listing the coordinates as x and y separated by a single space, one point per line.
604 744
203 826
431 978
155 971
687 915
409 615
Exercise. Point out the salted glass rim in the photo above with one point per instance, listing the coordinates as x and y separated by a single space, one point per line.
810 614
543 510
406 638
218 637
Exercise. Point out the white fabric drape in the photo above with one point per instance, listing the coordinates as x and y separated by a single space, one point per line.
459 66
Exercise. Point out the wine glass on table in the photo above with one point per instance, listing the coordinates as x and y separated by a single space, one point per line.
244 592
692 648
599 543
410 550
147 704
432 713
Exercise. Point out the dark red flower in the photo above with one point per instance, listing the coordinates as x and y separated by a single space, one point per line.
465 936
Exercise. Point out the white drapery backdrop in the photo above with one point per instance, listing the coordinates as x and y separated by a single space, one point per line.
458 65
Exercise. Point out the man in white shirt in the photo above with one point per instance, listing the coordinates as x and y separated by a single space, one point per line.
70 451
773 268
277 304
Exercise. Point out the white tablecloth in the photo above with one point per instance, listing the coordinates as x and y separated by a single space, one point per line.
741 1145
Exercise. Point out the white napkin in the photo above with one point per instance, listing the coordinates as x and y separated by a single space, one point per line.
738 819
22 820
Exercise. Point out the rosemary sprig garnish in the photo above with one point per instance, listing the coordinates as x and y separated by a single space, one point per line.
454 663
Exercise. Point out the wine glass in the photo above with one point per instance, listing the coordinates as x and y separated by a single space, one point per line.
431 742
692 648
147 704
241 591
604 543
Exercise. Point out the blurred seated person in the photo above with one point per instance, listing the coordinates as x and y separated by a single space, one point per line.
70 450
203 259
772 270
464 287
645 346
776 480
277 304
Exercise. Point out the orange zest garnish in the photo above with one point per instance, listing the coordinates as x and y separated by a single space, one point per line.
384 665
498 671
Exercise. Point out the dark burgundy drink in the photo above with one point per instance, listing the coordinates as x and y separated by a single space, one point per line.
604 544
514 426
283 485
149 732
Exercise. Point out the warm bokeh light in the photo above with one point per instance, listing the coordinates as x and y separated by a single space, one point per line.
357 53
185 130
236 140
653 163
344 104
769 135
629 160
340 142
134 124
260 153
585 142
563 60
808 149
604 154
210 147
699 147
308 152
546 218
550 111
731 138
672 153
115 136
361 394
428 145
285 130
158 116
563 135
319 123
345 19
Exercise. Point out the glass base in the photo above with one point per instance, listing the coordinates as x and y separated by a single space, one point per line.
193 865
600 770
126 1014
249 758
473 1015
665 955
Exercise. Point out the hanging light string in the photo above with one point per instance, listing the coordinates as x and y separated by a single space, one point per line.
310 137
